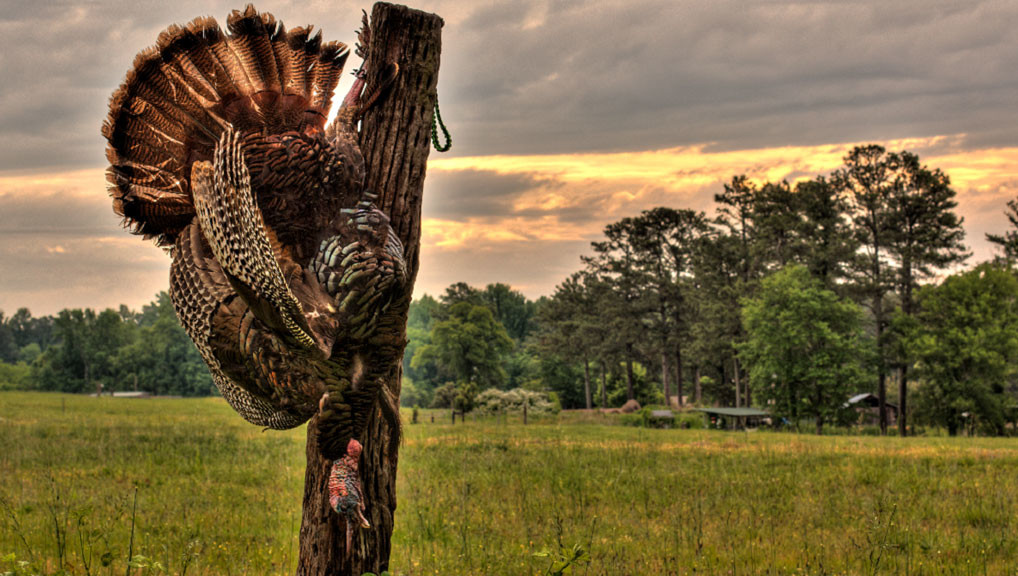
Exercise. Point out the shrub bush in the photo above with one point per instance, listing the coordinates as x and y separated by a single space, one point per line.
493 401
14 376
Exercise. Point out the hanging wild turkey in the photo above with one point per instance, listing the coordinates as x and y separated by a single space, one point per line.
282 266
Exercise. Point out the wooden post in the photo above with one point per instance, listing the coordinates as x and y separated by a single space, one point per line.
395 139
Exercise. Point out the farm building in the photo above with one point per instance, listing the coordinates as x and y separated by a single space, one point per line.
734 418
867 406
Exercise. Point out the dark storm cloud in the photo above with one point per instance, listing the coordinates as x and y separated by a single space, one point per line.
479 193
529 78
56 213
541 77
67 249
62 60
536 78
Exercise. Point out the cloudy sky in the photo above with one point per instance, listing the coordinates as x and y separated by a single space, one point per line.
566 116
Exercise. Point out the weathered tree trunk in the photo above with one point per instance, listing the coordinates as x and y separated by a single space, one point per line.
630 395
820 418
604 385
586 383
903 401
749 393
395 140
906 307
664 377
878 317
738 385
697 387
678 373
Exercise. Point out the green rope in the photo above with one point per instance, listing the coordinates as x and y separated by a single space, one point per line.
435 125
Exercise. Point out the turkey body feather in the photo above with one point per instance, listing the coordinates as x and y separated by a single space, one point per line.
282 267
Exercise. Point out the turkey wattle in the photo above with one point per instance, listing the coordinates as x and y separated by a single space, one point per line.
345 491
282 266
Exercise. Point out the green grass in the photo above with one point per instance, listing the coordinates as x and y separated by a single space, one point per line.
218 496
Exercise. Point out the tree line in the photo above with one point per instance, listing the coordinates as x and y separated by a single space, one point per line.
85 351
794 297
791 297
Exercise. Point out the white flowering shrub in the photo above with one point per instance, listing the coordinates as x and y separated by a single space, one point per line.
493 401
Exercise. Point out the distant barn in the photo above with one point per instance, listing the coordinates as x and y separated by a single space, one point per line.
867 406
734 418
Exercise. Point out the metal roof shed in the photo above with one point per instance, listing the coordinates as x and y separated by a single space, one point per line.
734 418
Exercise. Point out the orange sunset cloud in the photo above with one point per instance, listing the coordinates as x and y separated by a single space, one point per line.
530 234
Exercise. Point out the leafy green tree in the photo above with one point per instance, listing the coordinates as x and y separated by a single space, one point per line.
29 353
718 287
522 366
119 350
570 333
1008 241
424 312
86 345
161 359
462 292
14 376
468 345
511 308
735 208
777 222
517 315
927 238
867 178
28 330
644 390
662 241
964 338
803 347
411 394
8 346
616 268
827 242
739 208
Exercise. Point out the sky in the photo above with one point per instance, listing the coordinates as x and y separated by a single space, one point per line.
565 116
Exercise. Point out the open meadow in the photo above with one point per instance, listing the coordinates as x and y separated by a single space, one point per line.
218 496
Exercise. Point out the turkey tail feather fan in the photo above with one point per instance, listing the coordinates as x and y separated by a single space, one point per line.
282 265
183 93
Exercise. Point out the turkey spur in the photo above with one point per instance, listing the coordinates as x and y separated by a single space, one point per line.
282 265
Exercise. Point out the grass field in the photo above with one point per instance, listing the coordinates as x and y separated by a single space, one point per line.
218 496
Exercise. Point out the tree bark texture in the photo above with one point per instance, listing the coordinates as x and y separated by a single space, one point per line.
697 387
664 376
678 373
586 382
738 384
903 401
395 139
630 395
878 317
604 385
